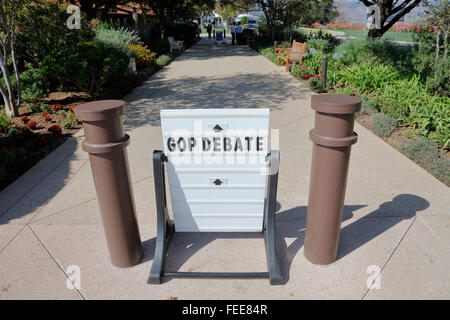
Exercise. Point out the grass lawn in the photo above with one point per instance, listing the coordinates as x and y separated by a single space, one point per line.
362 34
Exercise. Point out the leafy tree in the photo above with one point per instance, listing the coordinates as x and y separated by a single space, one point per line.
438 14
94 8
168 12
8 14
393 9
42 28
289 12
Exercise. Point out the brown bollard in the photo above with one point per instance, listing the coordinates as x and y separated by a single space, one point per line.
106 142
332 137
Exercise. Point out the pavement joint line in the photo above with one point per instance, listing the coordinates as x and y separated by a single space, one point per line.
40 180
390 256
286 124
33 220
9 242
434 232
68 180
61 211
54 260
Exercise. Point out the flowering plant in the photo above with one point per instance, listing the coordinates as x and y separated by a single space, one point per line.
301 71
31 124
142 54
57 107
24 119
46 117
55 129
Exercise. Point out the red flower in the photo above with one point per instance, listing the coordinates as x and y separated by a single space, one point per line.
385 109
381 100
46 117
24 119
31 124
56 107
71 108
55 128
401 107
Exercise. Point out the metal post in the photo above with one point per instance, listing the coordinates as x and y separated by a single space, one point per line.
275 43
324 71
106 142
332 137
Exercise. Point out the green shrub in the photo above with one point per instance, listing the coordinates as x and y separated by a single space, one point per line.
87 66
316 85
313 59
323 41
321 45
43 28
118 38
34 108
165 59
10 158
431 115
282 34
160 46
46 107
441 169
34 84
439 80
367 106
186 32
379 51
383 124
6 125
421 150
368 77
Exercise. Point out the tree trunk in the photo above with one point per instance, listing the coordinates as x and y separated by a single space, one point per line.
375 33
445 44
16 71
438 38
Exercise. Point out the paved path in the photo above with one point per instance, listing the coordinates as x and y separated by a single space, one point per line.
396 217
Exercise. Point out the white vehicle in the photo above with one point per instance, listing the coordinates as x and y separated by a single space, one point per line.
252 23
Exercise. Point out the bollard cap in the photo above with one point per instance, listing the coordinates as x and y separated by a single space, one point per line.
100 110
335 104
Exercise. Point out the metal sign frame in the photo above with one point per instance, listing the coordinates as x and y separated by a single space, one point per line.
166 229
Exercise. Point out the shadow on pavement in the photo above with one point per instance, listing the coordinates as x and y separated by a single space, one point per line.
237 91
34 189
291 224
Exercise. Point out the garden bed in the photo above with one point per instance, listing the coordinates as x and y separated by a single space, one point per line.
33 136
396 105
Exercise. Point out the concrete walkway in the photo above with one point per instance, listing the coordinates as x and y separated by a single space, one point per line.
396 217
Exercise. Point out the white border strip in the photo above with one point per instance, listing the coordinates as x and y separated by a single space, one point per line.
214 113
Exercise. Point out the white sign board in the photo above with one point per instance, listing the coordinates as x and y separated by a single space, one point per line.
216 167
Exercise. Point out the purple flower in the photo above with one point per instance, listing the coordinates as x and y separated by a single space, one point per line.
305 54
313 50
337 55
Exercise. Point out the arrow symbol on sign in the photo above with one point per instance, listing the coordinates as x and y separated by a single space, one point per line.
217 128
217 182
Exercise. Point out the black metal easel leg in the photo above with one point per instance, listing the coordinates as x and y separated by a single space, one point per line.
165 228
273 262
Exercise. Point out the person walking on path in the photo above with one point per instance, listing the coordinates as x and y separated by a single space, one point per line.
209 29
233 33
239 32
